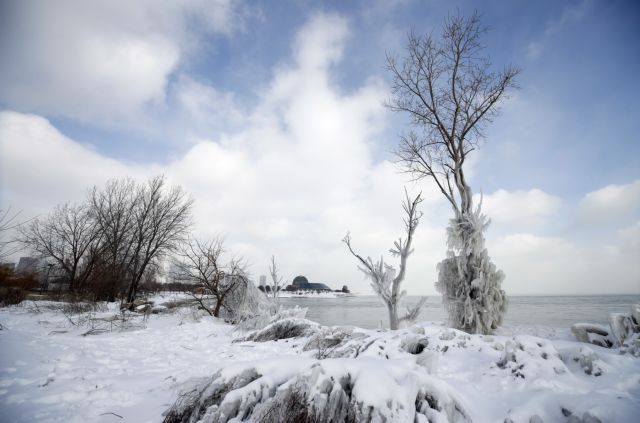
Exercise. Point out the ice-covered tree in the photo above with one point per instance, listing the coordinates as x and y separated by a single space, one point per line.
384 280
450 91
276 280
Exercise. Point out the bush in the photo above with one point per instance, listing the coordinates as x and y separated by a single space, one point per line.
14 287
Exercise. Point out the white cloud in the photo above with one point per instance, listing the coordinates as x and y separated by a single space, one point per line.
552 265
613 204
40 167
297 172
519 208
102 60
291 182
570 15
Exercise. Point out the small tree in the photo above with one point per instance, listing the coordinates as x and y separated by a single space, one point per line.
200 263
384 281
276 280
450 93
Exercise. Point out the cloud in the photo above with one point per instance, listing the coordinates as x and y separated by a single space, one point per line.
41 167
291 180
570 15
552 265
612 204
519 208
102 61
296 171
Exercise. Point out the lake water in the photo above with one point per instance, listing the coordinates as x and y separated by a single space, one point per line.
556 311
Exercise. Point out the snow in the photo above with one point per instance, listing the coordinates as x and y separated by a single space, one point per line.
135 371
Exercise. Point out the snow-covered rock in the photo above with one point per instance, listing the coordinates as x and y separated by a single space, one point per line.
592 334
621 327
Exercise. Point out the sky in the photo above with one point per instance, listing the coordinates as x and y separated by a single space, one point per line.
271 116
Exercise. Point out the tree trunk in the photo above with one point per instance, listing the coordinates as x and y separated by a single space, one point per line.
216 310
393 316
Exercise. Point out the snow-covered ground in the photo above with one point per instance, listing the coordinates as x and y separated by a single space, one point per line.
133 371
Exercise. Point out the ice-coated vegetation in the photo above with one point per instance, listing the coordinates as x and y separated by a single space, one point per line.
469 282
384 280
331 390
191 366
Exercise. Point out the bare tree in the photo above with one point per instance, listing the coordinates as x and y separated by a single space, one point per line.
139 223
8 222
201 263
113 209
450 92
69 237
384 280
276 280
161 220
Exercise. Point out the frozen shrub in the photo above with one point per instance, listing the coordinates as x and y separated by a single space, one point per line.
283 329
469 282
333 390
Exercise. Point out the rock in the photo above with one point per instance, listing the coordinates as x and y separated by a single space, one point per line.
621 327
635 314
591 334
565 412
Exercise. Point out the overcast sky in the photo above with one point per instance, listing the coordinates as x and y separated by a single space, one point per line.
271 116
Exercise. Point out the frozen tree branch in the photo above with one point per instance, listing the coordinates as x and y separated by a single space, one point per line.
384 281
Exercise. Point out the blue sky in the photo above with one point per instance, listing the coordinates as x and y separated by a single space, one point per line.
276 108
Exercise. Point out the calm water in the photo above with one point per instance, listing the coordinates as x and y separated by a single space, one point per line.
367 311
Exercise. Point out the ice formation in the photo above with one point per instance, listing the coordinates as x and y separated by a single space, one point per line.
331 390
623 332
469 282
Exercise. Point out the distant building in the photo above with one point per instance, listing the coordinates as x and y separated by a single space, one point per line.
301 283
49 276
30 265
263 281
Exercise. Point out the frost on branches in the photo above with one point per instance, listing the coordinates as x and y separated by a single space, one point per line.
384 281
469 282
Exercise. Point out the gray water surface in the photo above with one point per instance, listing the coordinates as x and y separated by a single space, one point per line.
556 311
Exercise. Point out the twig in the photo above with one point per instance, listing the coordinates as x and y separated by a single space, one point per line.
109 412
